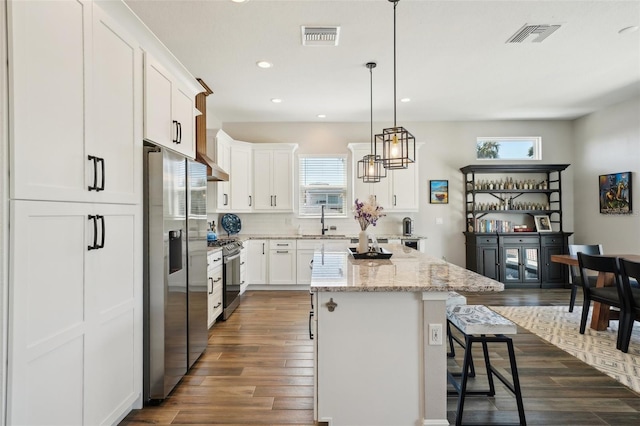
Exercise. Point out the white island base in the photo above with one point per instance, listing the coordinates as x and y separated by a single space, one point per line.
374 362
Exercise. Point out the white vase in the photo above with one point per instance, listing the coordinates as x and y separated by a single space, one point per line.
363 242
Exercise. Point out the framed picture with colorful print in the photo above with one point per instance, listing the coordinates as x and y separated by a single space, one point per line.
439 191
615 193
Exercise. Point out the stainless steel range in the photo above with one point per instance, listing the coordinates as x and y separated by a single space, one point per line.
230 274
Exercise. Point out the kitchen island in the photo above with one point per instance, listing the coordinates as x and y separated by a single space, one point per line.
379 326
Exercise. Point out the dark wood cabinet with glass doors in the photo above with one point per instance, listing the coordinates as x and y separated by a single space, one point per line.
502 198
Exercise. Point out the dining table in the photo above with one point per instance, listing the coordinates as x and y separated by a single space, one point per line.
601 312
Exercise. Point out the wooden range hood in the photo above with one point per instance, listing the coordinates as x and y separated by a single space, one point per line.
214 172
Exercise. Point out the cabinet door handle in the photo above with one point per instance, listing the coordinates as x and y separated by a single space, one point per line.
275 201
226 199
218 305
95 232
179 132
175 126
211 291
394 200
271 201
250 201
94 187
103 231
217 279
241 263
217 260
282 251
310 332
262 248
101 161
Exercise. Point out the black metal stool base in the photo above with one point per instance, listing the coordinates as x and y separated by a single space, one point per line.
468 371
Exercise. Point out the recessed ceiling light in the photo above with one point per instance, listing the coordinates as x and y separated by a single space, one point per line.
264 64
627 30
239 1
276 100
405 100
321 116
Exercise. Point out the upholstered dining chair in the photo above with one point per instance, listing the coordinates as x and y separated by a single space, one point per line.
631 296
574 273
610 295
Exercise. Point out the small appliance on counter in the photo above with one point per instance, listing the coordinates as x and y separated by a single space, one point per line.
407 226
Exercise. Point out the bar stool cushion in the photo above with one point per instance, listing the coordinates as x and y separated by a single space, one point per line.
478 319
455 298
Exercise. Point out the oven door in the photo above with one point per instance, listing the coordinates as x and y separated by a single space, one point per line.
230 284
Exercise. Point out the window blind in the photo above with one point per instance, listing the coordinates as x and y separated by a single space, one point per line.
322 181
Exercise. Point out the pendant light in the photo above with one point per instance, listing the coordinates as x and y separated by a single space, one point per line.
370 168
397 144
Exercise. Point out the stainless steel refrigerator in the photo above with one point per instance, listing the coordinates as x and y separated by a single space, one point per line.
175 278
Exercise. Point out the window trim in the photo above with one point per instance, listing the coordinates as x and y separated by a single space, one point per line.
298 185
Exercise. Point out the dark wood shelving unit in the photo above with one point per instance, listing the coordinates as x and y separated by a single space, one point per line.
518 259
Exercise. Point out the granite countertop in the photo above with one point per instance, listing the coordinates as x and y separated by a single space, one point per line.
245 237
406 271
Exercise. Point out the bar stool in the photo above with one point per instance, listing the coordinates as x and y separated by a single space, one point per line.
479 324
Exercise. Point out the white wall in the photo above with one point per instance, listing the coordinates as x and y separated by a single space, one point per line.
4 214
606 142
448 146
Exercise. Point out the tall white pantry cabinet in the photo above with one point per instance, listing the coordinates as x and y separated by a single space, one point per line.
75 271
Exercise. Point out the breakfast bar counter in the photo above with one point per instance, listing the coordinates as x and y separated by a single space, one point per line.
379 336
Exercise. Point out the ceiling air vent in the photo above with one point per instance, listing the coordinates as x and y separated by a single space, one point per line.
528 31
320 36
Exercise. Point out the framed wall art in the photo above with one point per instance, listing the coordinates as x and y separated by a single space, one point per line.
615 193
439 191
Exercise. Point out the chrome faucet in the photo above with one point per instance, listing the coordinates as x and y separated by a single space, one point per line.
322 220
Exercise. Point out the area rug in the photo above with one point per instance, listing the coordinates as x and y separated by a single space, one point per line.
560 327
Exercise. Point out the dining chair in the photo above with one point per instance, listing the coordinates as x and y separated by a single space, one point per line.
574 272
631 296
610 295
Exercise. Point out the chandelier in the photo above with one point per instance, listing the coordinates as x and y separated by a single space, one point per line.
397 144
370 168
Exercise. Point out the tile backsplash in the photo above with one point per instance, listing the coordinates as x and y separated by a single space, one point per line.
290 224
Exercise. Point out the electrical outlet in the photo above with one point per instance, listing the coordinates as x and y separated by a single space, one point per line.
435 334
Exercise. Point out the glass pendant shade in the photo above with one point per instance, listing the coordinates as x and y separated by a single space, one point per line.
370 168
395 145
398 148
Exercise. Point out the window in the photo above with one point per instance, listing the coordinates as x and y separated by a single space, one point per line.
513 148
322 182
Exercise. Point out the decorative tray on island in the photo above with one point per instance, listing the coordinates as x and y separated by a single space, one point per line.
381 254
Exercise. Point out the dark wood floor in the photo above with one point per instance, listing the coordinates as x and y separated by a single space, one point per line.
258 369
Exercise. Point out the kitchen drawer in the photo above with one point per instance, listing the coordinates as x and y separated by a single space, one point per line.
520 240
282 244
214 259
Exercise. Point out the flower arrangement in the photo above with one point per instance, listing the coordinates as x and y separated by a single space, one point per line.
367 212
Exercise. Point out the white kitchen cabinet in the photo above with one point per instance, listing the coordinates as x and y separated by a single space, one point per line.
75 324
75 331
223 159
273 177
82 129
256 263
243 270
214 292
282 262
397 192
241 177
169 109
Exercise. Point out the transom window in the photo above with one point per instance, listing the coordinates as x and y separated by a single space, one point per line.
322 182
509 148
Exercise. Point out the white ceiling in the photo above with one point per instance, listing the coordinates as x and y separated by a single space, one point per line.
452 57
